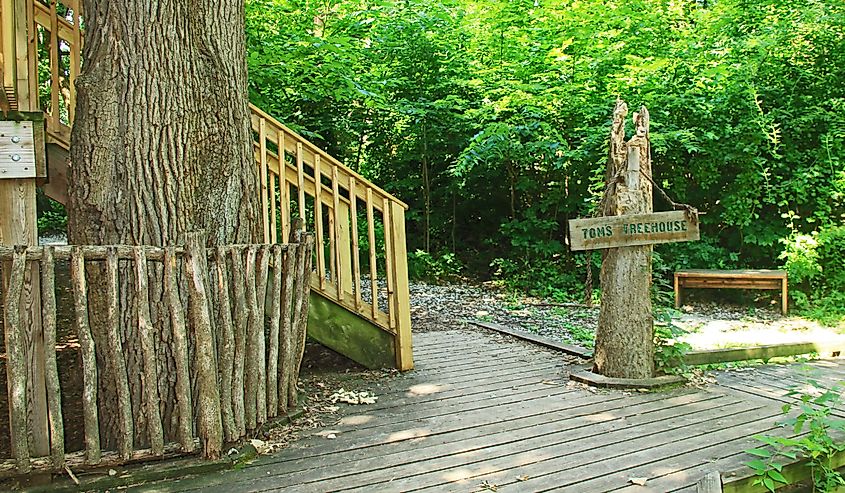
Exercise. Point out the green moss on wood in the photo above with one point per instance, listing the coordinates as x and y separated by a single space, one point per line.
350 335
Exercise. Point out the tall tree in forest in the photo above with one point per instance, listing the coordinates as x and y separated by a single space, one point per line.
161 146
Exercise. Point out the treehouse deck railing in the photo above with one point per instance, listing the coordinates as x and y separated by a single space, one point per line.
346 212
361 257
234 317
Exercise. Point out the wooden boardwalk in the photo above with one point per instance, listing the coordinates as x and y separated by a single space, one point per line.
483 412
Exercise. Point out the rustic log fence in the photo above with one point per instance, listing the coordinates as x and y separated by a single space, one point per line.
237 317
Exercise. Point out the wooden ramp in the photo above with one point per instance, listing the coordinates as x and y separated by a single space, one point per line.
483 412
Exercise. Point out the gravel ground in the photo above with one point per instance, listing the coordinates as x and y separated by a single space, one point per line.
712 324
444 307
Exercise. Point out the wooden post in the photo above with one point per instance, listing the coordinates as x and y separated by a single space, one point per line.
210 424
17 210
117 363
89 358
151 397
404 346
677 292
15 364
225 344
54 392
180 350
625 335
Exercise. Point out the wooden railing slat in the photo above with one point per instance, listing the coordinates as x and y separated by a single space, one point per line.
334 227
356 256
118 365
51 371
371 232
239 331
262 167
252 328
225 344
89 358
53 46
274 312
303 259
263 259
15 362
180 350
388 264
209 423
284 200
300 180
75 63
151 399
318 223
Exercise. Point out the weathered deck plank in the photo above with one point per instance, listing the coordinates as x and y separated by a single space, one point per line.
484 410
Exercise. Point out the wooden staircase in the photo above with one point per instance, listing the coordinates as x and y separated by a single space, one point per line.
360 302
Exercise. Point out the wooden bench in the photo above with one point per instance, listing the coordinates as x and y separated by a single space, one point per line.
731 279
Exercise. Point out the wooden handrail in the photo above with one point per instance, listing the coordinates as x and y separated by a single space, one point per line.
54 31
326 159
336 191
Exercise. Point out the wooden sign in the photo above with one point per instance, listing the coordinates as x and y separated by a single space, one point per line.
17 150
632 230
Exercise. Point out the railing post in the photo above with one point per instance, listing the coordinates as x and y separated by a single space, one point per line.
402 303
17 205
344 250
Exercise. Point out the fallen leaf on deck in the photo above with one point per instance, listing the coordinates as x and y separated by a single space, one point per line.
639 481
351 397
522 478
260 446
488 486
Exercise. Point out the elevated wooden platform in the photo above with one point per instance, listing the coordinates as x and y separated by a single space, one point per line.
484 411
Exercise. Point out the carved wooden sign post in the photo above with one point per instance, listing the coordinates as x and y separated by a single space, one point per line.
627 230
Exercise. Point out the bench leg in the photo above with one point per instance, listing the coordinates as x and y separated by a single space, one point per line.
783 294
677 293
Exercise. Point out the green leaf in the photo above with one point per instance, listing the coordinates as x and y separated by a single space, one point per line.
759 452
769 484
757 465
777 476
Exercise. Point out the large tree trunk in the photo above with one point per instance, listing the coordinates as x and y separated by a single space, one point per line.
625 335
161 146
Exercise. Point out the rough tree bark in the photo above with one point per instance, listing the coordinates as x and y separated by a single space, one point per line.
161 146
625 335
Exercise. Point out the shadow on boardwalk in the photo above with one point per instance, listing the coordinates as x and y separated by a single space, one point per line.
482 412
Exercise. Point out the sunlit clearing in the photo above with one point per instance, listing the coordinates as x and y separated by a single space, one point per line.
359 419
408 434
424 389
717 334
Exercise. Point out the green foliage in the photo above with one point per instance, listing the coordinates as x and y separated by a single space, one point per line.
545 279
490 119
581 336
816 263
52 218
801 260
815 424
430 268
669 351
